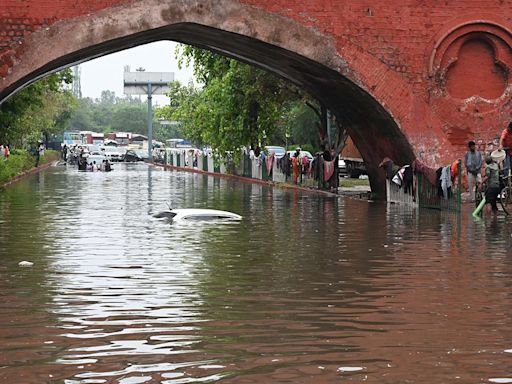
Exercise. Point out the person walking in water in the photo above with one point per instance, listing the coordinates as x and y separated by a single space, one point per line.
473 164
492 178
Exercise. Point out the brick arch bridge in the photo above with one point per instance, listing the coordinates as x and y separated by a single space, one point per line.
407 81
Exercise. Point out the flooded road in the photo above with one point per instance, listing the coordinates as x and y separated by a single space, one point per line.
305 289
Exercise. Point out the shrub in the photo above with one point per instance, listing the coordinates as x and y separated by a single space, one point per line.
15 164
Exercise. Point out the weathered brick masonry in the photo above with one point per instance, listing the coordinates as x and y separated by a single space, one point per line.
408 78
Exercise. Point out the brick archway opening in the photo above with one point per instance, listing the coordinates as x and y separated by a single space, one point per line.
372 128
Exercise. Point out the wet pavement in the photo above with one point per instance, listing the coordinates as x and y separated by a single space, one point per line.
305 289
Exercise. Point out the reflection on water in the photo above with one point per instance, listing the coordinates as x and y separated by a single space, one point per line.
305 289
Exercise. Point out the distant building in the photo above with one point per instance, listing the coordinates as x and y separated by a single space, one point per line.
178 143
121 138
140 140
89 137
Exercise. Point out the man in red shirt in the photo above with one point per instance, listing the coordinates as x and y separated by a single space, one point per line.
506 143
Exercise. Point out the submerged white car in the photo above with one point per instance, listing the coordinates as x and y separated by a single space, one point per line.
197 214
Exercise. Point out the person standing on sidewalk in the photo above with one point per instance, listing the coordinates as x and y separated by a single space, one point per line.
473 163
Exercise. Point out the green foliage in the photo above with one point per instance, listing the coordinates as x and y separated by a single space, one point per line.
15 164
302 126
40 109
110 113
237 105
347 183
21 161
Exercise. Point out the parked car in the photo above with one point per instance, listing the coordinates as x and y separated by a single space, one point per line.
132 156
114 153
342 166
92 149
142 153
278 151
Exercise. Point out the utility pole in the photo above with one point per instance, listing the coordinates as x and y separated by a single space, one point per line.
150 121
77 87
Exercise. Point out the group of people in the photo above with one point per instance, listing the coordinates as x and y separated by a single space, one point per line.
83 165
76 154
297 165
71 153
474 163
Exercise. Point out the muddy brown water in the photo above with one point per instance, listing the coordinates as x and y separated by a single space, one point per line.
305 289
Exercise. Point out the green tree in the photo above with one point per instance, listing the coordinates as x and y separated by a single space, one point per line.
110 113
40 109
240 105
237 105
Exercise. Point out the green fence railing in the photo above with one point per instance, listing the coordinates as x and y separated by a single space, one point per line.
205 163
247 166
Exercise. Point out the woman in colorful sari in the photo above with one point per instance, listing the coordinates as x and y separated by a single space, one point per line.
296 166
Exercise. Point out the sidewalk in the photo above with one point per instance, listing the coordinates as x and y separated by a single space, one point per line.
357 191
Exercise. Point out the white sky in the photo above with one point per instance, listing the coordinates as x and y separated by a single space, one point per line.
106 73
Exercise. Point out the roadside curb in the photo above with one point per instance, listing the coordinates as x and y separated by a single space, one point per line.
248 180
25 174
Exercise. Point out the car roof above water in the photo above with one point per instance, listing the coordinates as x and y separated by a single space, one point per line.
203 214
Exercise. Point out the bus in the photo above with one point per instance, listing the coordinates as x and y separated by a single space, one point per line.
72 138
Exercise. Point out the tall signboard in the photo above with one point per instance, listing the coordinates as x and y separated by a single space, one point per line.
148 83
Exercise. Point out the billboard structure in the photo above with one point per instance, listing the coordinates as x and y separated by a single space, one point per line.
147 83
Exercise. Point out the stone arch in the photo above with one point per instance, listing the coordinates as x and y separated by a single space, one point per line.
360 90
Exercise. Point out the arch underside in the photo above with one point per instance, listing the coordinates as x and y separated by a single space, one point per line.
372 128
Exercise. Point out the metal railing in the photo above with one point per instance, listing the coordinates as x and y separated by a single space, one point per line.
429 196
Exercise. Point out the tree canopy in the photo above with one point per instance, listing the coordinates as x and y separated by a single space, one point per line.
238 104
42 108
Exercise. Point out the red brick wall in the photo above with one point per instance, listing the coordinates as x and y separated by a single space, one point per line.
438 48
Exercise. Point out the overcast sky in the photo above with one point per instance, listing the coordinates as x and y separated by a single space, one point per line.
107 72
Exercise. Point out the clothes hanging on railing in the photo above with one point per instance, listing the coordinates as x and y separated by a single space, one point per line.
408 180
446 181
403 178
328 169
283 164
269 161
428 172
397 178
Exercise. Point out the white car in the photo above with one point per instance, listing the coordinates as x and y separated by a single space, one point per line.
278 151
185 215
113 153
302 154
342 166
92 149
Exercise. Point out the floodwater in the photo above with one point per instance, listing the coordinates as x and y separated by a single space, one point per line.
305 289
